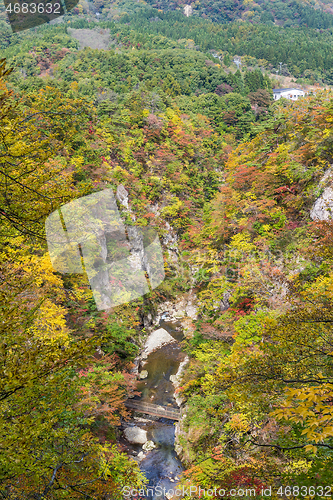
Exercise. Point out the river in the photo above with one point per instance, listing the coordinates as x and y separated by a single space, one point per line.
161 465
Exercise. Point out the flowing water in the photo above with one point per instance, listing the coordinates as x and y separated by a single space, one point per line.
161 465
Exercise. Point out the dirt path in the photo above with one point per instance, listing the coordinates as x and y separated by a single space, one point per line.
287 82
95 39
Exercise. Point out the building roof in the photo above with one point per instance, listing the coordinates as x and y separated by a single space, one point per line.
284 90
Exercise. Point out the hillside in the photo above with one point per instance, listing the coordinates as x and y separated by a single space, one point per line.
280 12
299 50
150 105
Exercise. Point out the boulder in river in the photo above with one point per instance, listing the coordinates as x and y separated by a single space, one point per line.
143 374
156 339
148 446
141 456
135 435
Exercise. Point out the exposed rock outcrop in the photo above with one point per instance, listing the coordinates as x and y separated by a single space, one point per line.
182 308
135 435
170 241
323 207
175 379
122 195
224 304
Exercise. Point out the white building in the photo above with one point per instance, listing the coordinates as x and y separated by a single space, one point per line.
292 94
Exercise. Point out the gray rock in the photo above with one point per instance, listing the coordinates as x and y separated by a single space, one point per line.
147 320
191 311
178 449
157 339
224 304
175 379
135 435
323 206
122 195
141 455
170 241
148 446
143 374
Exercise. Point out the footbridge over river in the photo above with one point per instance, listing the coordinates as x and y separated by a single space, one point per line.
153 409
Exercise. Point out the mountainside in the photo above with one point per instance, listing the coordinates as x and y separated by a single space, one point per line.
175 115
280 12
301 50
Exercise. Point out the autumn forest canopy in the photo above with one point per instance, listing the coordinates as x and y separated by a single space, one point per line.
137 95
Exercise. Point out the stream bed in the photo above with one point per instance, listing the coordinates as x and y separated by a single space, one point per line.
160 465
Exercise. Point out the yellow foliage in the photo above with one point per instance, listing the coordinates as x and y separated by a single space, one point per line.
50 324
312 408
238 423
242 242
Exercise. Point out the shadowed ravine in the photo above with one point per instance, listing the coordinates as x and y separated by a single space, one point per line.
161 465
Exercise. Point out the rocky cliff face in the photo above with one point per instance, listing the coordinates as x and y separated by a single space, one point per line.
123 257
121 280
323 207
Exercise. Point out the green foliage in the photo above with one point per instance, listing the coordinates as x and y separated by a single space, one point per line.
201 149
288 13
265 42
120 340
